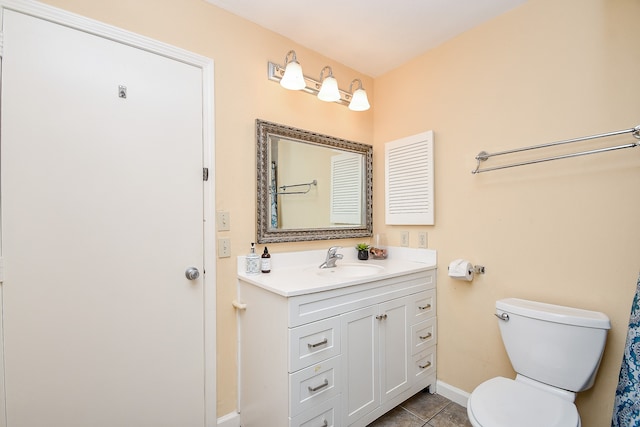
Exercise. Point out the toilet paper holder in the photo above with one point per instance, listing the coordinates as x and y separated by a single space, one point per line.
478 269
462 269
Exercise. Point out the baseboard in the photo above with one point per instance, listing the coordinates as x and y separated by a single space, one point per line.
452 393
229 420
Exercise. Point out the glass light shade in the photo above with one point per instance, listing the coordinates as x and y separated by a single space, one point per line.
293 78
359 101
329 90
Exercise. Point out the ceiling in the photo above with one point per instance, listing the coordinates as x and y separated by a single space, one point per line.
370 36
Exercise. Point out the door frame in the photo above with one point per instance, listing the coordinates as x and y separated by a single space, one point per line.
205 64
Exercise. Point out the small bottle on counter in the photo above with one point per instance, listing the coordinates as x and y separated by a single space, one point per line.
252 262
266 261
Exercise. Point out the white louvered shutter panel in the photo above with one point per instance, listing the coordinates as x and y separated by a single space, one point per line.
346 189
409 180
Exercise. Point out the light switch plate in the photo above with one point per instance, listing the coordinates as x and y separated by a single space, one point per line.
223 221
224 248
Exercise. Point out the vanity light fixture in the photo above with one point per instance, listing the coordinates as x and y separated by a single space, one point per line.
290 77
359 101
329 90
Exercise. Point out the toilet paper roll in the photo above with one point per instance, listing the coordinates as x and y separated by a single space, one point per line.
461 269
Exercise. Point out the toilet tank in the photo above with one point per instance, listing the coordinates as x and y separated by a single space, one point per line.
556 345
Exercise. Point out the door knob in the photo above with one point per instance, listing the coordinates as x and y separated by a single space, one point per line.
192 273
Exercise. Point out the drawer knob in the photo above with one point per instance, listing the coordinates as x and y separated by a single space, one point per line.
318 344
424 307
424 337
318 387
426 365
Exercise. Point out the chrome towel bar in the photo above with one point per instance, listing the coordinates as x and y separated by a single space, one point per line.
483 155
307 184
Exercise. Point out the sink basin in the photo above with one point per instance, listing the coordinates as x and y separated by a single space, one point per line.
347 270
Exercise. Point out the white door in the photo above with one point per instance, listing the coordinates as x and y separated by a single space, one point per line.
102 213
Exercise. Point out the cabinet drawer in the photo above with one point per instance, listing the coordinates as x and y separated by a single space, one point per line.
308 308
423 335
314 385
326 414
424 363
313 343
424 306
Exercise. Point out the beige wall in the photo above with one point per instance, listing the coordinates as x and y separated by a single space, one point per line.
312 209
562 232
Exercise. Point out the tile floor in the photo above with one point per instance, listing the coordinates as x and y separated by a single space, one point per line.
425 410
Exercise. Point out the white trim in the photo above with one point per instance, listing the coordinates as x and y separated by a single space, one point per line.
128 38
229 420
452 393
210 263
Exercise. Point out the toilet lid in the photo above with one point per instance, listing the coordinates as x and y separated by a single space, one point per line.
501 402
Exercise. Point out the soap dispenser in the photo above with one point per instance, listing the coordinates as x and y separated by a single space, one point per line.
266 261
252 261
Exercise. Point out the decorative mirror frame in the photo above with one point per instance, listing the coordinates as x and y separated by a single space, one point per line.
267 235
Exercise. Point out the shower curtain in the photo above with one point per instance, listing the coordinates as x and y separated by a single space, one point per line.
626 409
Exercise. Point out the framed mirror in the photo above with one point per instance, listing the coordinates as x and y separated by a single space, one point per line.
311 186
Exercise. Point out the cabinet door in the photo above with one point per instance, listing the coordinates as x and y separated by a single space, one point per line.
361 384
394 347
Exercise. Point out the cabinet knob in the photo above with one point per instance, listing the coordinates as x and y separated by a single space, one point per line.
381 316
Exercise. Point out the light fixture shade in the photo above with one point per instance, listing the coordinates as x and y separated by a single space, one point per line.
293 78
329 90
359 101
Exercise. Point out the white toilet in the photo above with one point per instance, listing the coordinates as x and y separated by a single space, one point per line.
555 352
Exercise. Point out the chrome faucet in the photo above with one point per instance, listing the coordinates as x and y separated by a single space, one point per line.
332 257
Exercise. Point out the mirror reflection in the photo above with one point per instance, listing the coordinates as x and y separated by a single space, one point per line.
311 186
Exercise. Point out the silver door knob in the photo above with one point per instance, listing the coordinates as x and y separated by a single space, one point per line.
192 273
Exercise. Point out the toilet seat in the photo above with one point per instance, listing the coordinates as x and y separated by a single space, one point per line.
502 402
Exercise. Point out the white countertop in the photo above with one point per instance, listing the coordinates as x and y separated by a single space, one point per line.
298 273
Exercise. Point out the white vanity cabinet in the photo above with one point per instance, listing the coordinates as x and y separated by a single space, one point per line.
337 357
